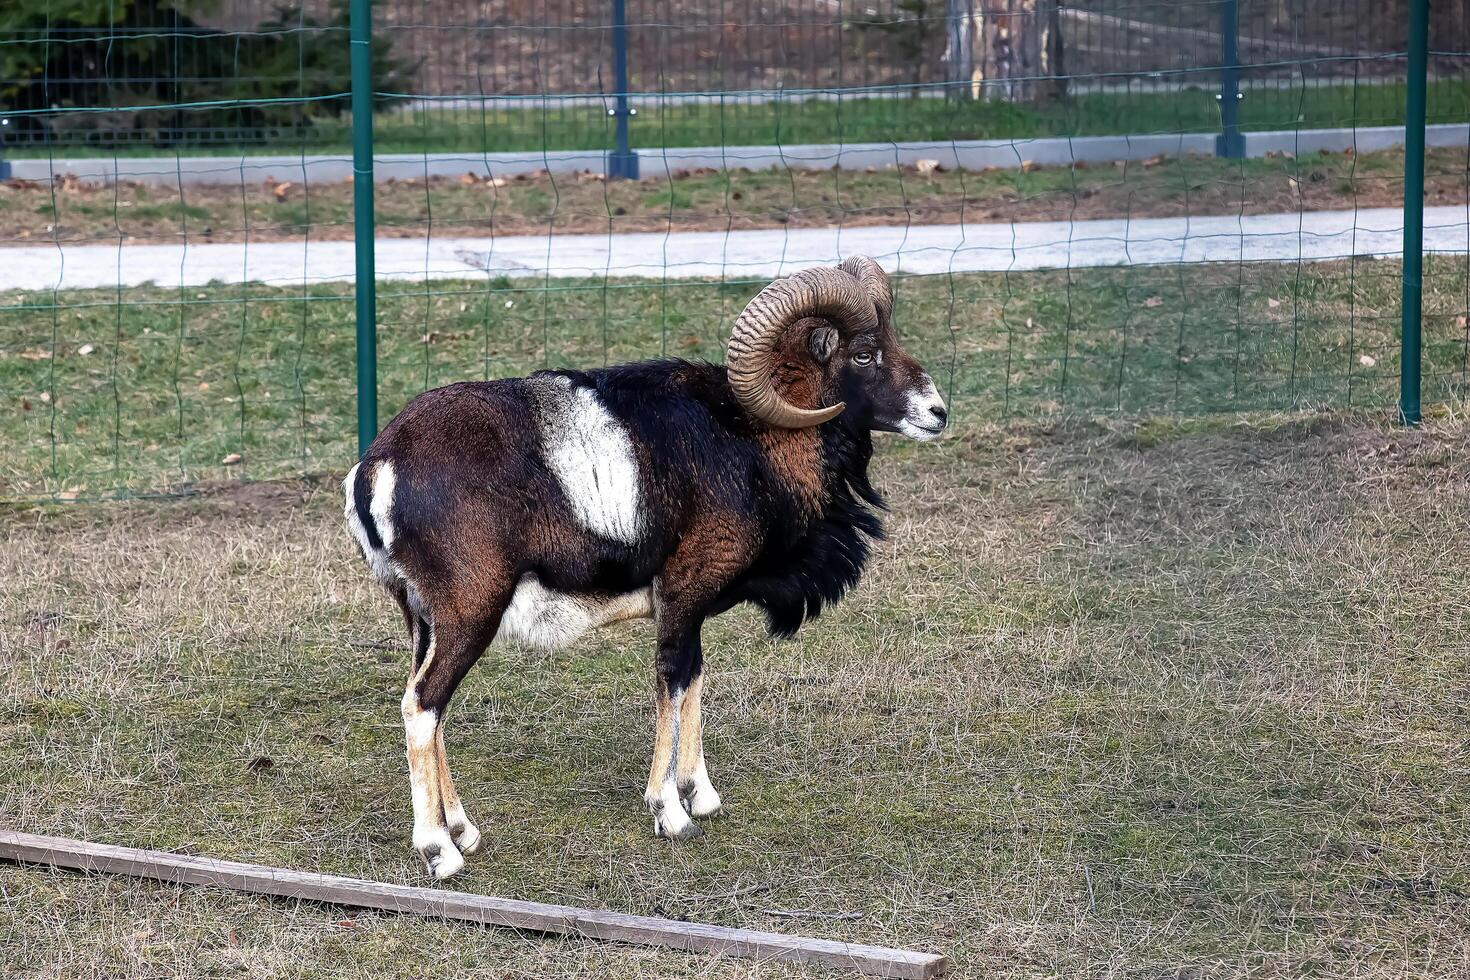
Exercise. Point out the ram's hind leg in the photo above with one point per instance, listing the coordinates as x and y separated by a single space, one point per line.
440 827
421 733
462 831
422 740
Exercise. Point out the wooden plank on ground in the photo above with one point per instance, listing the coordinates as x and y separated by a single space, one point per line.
63 852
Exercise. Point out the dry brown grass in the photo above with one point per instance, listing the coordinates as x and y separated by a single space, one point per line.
1167 699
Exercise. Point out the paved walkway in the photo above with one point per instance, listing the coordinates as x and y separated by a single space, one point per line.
1310 236
661 162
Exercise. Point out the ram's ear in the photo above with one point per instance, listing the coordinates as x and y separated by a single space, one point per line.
823 343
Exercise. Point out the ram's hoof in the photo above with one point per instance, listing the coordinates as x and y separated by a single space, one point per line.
687 831
467 838
706 804
444 861
671 822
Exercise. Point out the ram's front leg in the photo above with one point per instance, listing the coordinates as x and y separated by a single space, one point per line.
678 662
711 554
695 788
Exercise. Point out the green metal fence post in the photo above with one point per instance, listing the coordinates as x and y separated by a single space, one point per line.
622 163
366 288
1410 335
1230 142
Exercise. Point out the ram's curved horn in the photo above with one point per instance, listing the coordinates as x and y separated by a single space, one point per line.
832 294
874 280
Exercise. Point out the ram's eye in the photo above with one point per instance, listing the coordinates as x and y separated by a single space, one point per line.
862 359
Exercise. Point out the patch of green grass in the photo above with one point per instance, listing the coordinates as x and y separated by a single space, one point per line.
673 198
735 121
170 211
255 381
294 215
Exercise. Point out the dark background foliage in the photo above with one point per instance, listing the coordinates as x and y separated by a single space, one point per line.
155 71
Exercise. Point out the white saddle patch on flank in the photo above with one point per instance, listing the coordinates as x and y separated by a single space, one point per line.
589 452
544 618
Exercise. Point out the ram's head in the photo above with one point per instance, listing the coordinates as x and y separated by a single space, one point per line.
820 344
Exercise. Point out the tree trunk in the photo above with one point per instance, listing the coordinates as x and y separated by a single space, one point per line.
959 48
1017 49
1449 29
1053 60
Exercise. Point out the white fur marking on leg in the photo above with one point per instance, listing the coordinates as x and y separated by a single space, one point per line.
418 729
430 838
590 453
418 725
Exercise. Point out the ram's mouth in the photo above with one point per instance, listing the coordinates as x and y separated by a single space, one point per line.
923 433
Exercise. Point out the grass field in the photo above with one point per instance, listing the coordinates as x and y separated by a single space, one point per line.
34 212
160 389
736 120
732 122
1155 700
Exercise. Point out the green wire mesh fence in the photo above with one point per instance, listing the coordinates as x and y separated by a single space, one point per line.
1103 207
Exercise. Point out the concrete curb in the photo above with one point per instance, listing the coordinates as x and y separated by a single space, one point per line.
967 154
